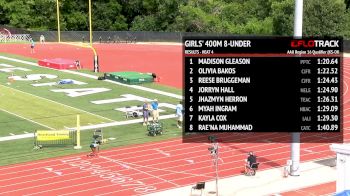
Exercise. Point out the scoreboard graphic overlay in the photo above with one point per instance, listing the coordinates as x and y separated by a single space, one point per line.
262 84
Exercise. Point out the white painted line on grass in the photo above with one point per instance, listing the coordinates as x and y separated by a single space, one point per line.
116 123
95 77
128 85
11 134
58 103
16 137
102 125
148 90
25 119
19 61
82 128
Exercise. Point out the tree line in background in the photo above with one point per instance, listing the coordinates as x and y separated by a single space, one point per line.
266 17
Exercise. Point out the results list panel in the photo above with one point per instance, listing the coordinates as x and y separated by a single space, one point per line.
270 84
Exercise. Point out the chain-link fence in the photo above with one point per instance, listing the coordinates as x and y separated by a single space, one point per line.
347 46
117 36
15 38
108 36
114 36
125 36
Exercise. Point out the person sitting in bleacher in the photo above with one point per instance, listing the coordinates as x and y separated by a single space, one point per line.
251 164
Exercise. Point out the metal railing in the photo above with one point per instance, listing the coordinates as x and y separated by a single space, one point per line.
15 38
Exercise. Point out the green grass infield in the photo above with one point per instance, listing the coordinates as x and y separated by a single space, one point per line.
27 105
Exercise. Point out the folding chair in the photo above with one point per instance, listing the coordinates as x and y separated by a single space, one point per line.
199 186
133 111
127 111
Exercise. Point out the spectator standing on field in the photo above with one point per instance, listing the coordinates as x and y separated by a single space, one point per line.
42 39
179 110
145 112
32 45
77 64
155 112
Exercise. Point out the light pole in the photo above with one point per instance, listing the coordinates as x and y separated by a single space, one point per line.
214 151
96 65
295 145
58 21
90 23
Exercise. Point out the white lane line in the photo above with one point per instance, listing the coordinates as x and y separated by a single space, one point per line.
126 167
133 168
189 150
24 119
346 88
58 173
162 152
307 150
136 149
63 187
233 168
198 168
108 152
153 166
142 146
190 161
48 169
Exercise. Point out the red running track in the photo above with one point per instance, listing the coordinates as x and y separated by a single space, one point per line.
164 60
145 168
322 189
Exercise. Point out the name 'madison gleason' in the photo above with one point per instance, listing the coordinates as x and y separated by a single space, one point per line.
222 61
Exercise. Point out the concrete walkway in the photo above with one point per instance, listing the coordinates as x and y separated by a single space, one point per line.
267 182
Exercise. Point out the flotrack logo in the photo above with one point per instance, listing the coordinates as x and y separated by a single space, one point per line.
314 43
